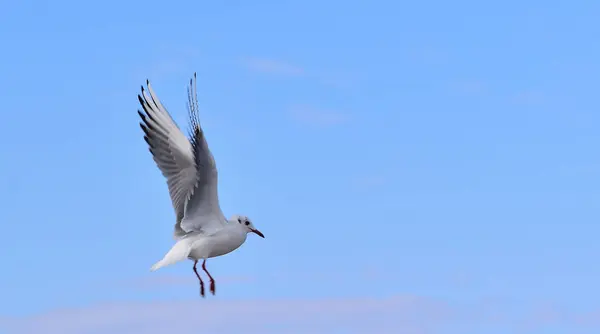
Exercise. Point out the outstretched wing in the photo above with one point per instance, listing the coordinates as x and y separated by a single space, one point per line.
182 162
202 211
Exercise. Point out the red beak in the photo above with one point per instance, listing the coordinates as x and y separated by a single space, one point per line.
259 233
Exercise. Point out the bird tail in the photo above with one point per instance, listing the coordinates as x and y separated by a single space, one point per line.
177 253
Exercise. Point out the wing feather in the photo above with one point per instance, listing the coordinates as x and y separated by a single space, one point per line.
203 206
187 165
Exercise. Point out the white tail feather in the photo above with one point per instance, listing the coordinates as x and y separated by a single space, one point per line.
177 253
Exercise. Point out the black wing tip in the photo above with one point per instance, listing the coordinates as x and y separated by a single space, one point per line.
142 101
196 132
145 129
147 140
150 126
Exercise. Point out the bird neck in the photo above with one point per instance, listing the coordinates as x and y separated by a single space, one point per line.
235 225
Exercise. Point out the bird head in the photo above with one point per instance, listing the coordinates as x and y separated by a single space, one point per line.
246 223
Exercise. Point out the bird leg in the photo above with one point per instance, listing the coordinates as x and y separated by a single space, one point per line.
199 279
212 281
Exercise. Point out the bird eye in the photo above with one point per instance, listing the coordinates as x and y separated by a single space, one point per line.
247 223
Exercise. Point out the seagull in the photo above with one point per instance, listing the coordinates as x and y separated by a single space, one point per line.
201 230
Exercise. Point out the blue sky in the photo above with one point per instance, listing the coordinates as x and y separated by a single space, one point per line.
430 166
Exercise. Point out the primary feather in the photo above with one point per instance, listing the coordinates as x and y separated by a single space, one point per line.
187 164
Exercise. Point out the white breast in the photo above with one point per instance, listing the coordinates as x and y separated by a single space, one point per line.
224 241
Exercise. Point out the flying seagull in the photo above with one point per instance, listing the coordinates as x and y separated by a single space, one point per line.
201 229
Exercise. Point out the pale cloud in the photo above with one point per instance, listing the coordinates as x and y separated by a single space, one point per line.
480 88
545 314
400 314
316 116
272 66
341 80
396 314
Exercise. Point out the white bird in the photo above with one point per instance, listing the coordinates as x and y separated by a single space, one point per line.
201 229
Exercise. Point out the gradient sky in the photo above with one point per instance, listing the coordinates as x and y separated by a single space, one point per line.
417 167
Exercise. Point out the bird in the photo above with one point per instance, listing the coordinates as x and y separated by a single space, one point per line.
201 230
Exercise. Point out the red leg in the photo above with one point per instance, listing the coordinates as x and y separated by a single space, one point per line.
212 281
199 279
